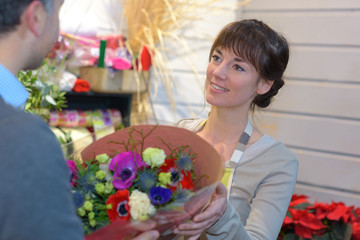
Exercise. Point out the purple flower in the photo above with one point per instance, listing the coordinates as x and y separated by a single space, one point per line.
159 195
73 170
125 166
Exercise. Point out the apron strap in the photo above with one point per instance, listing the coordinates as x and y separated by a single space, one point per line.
231 165
241 145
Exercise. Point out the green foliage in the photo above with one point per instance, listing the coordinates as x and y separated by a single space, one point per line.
44 95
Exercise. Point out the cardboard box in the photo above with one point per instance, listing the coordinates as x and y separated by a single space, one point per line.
109 81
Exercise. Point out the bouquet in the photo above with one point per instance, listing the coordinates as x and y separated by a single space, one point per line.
162 173
320 220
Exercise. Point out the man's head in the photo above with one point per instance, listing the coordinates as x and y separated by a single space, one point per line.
32 25
11 10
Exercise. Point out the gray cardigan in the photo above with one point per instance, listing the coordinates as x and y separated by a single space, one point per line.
261 191
35 197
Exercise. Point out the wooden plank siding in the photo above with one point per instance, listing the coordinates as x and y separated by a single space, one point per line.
317 114
338 64
309 97
298 5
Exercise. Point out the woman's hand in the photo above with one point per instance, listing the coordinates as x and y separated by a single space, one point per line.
208 217
149 233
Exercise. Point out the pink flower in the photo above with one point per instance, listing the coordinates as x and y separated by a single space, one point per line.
73 171
125 166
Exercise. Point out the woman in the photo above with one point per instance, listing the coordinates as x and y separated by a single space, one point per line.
246 66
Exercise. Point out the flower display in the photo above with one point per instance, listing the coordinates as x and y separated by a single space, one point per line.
142 173
320 220
133 190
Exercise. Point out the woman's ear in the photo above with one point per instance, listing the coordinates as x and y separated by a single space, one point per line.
264 86
34 17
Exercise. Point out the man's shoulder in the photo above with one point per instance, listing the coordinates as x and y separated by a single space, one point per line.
15 119
23 130
33 168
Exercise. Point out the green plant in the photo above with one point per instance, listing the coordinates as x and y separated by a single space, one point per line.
44 95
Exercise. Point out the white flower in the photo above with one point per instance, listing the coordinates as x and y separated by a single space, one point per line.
154 157
140 206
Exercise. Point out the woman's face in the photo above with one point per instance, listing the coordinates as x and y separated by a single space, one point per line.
231 81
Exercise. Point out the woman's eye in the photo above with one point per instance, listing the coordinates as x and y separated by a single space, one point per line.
215 58
238 68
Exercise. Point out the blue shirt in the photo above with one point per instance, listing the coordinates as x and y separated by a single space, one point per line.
11 89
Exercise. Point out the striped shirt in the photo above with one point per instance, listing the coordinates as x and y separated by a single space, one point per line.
11 90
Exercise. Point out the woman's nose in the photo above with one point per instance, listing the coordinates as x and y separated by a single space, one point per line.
220 71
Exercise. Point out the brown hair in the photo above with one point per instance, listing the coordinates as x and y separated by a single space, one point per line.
264 48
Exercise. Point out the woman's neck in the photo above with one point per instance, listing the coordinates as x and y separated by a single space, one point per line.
225 125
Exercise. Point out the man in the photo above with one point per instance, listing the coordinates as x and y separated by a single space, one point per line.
35 198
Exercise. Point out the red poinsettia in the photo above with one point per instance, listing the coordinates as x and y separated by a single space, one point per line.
119 205
335 211
179 178
306 223
298 199
356 230
320 219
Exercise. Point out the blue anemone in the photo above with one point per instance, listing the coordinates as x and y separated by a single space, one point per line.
159 195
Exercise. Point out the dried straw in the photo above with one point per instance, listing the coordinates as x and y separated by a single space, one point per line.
150 22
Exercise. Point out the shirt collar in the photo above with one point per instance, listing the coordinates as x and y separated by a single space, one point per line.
11 89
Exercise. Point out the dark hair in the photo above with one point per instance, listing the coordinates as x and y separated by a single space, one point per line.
264 48
11 10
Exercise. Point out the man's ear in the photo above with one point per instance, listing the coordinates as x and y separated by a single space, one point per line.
264 86
34 17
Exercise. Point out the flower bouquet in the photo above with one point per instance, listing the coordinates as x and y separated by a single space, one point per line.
147 172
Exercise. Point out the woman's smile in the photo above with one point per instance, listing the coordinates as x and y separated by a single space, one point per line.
217 88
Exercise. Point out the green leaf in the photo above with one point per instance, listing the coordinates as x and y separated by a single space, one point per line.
301 206
339 229
326 236
348 232
289 236
50 100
